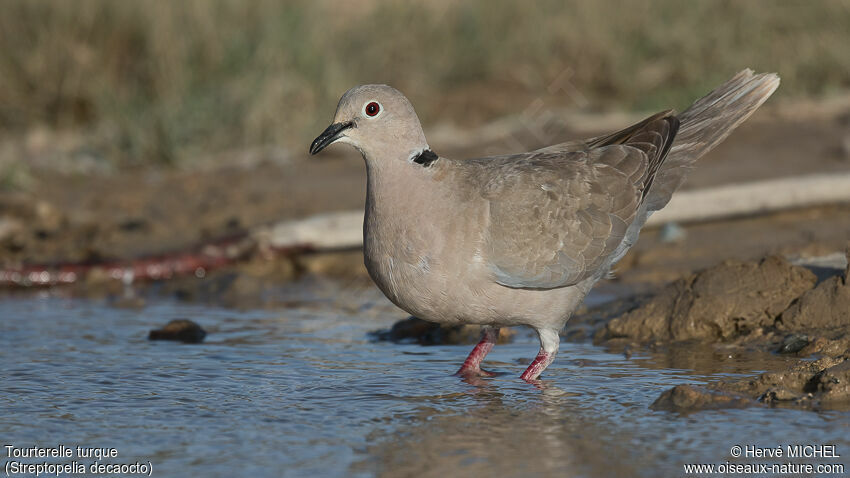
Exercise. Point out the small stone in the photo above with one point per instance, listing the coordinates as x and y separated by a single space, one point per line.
415 330
181 330
690 398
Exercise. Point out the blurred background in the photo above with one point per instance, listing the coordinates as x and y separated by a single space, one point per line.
134 128
163 82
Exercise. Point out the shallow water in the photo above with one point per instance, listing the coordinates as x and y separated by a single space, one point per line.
302 391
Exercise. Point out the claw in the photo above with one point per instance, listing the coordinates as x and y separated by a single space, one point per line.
475 373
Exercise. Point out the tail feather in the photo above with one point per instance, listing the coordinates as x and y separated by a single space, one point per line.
705 124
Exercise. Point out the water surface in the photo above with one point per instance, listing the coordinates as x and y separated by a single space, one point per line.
302 391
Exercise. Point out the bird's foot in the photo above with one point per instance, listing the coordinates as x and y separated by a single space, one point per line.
474 372
472 365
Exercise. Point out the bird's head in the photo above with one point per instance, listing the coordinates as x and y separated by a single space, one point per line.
377 120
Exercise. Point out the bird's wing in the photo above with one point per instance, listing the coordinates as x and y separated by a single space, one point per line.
556 217
617 137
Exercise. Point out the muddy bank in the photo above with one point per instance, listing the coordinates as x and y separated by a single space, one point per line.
768 301
768 305
726 302
126 215
812 385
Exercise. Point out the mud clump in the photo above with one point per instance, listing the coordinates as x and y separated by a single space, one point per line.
689 398
793 344
825 306
422 332
769 305
717 304
179 330
831 346
822 383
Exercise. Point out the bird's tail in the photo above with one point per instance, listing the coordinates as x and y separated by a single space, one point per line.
705 124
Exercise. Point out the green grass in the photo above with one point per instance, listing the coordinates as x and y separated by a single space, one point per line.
163 81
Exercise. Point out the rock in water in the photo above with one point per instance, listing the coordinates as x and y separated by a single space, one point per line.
181 330
415 330
689 398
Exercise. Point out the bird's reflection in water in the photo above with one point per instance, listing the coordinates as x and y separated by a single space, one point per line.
507 426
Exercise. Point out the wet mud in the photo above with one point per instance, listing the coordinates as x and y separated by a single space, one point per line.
769 306
815 385
725 302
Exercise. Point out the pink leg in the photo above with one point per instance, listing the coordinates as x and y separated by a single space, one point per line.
549 342
537 367
472 364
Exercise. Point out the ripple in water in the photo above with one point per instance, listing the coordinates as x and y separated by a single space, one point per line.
303 392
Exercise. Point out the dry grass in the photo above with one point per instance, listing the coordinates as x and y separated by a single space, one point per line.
162 81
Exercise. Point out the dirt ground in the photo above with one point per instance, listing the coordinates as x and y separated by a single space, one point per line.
77 218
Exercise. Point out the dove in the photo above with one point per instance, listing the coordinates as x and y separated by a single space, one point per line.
517 239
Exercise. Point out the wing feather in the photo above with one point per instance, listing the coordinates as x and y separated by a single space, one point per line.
557 217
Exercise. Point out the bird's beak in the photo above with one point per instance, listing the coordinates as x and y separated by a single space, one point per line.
329 135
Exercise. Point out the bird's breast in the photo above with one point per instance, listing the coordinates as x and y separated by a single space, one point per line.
400 263
421 243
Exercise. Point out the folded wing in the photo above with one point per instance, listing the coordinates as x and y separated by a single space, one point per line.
557 216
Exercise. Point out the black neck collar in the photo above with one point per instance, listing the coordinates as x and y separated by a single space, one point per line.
426 158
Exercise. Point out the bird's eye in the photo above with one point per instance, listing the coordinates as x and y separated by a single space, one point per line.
372 109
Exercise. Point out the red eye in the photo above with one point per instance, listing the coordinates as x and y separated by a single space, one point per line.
372 109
